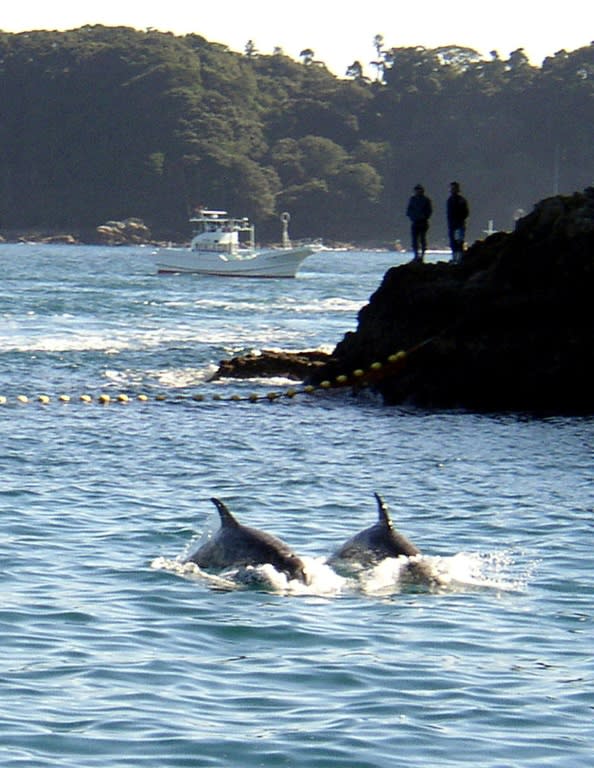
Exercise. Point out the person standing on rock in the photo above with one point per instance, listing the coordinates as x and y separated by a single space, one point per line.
457 213
419 212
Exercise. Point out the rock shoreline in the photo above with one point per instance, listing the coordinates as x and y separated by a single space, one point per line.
131 231
510 328
289 365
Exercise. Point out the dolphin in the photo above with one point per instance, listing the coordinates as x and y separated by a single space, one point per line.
370 546
236 545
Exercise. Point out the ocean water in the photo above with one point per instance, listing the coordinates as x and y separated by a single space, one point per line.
115 655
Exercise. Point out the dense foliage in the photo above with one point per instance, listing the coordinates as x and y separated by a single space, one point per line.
101 123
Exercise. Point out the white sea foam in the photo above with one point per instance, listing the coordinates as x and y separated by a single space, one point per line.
171 378
392 575
323 580
456 573
334 304
284 303
495 570
110 340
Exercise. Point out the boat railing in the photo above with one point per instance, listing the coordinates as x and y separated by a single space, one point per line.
224 225
215 247
213 222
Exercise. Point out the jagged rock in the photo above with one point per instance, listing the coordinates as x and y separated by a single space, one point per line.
59 240
38 237
128 232
511 327
290 365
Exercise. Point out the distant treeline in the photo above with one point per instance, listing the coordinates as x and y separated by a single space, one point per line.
103 123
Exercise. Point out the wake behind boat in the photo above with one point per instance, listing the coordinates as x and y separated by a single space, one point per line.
216 249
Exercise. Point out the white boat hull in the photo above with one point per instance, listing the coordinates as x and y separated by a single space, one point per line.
270 263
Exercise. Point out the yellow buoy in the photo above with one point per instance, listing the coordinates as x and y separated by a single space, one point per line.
291 392
197 398
358 373
325 384
2 400
342 379
309 389
375 366
86 399
23 399
43 399
64 398
272 395
253 398
160 398
123 398
104 398
143 398
397 356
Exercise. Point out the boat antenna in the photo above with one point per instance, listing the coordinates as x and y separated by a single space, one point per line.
285 239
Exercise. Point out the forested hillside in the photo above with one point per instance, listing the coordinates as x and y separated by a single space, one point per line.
104 123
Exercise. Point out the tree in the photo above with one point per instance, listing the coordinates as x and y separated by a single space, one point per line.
380 62
355 70
378 44
307 56
320 157
110 122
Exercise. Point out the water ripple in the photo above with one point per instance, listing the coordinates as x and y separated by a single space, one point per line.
113 654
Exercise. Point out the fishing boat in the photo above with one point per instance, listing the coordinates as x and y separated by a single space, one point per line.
217 248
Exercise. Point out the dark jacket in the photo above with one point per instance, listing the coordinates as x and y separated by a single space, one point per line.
419 208
457 211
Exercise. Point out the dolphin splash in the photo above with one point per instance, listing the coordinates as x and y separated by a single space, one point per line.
381 540
236 545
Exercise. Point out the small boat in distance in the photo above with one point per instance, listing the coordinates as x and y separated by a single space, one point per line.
216 249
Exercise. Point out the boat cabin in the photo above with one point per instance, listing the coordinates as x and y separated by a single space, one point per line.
218 232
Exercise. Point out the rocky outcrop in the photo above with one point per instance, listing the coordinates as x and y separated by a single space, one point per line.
59 240
55 238
130 231
127 232
511 327
289 365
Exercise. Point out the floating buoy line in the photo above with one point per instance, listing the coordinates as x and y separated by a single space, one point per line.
357 379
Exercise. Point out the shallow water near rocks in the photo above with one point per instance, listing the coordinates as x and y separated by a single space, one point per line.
115 655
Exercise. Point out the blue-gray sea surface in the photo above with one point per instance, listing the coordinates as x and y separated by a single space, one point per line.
113 654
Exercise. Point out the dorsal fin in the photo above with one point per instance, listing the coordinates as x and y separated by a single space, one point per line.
382 511
227 519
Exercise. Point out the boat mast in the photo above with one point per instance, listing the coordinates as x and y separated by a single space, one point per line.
285 239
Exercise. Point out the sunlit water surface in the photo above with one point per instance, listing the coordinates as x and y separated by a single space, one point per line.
114 654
